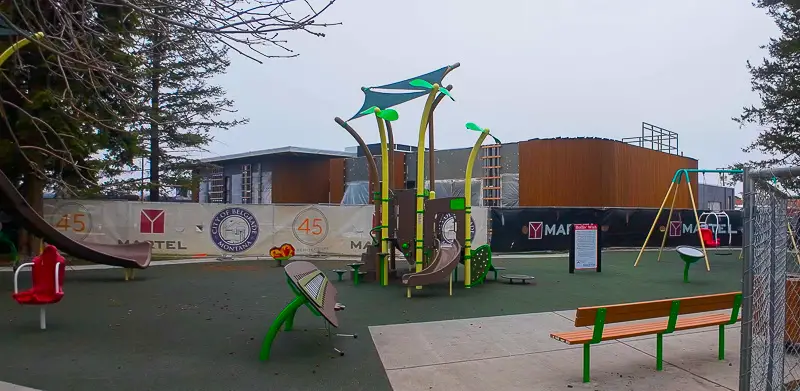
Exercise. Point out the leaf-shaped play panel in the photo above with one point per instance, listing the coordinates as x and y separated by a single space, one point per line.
420 83
389 115
447 93
480 264
473 126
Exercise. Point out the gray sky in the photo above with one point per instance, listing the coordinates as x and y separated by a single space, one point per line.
529 69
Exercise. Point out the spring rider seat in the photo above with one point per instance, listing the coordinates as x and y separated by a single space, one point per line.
689 255
47 273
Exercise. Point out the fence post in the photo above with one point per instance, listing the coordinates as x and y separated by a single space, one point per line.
748 202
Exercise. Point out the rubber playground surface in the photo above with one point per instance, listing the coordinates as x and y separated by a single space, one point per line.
200 326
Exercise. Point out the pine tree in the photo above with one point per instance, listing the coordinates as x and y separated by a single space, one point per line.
777 81
183 106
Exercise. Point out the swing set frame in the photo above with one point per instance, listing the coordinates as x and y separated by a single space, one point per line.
673 190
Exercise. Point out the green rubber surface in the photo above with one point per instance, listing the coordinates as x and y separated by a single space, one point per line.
199 327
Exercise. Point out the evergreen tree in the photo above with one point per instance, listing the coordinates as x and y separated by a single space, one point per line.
54 129
182 106
777 81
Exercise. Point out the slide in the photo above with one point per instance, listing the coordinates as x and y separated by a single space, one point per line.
131 256
445 260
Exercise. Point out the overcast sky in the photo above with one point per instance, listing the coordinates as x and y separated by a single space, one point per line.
529 69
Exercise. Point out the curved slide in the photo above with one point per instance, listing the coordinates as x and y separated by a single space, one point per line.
130 256
445 260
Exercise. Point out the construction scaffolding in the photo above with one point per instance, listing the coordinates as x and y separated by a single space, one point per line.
655 138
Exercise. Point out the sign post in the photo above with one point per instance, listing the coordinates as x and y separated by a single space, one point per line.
585 251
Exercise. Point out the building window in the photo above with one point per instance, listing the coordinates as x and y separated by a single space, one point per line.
714 206
216 191
247 184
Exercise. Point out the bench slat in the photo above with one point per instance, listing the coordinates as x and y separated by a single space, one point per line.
641 329
585 316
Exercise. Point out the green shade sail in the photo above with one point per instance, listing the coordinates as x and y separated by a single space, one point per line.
387 99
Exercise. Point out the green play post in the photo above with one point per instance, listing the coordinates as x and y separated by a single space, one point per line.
688 261
286 316
671 323
737 305
597 337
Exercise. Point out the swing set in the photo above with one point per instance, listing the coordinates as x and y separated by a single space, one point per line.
708 237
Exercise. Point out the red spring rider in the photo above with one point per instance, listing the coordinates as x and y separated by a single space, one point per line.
47 273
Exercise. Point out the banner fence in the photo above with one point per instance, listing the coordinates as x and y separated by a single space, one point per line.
547 229
194 229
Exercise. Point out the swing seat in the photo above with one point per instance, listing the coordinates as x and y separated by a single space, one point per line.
48 279
708 238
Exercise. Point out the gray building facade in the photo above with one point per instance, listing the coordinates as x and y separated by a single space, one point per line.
714 197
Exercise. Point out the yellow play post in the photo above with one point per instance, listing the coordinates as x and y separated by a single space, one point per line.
468 208
655 222
384 199
18 45
420 183
669 218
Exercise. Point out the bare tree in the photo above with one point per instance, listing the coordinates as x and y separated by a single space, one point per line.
69 102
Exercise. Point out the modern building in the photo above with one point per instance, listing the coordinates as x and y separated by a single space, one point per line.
555 172
279 175
715 197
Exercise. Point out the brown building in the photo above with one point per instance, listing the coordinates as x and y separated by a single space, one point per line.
560 172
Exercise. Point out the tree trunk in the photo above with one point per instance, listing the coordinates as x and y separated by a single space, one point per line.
33 190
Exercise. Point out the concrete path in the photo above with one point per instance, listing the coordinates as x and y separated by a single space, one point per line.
13 387
516 352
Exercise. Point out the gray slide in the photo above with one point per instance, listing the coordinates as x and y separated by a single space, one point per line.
446 258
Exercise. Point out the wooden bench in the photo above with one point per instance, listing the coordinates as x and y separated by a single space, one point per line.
674 309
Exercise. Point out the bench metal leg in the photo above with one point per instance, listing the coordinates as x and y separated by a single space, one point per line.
659 352
586 356
722 342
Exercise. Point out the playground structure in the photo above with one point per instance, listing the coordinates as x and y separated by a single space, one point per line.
47 275
282 253
398 210
674 186
313 290
128 256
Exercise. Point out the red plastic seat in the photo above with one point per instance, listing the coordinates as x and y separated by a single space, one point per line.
708 238
48 279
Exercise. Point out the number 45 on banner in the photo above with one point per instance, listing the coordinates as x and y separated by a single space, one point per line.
311 226
76 223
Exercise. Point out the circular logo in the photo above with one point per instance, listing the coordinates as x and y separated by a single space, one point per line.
234 230
73 219
447 228
310 226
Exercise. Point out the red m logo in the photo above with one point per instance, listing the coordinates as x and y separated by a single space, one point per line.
675 228
152 221
535 229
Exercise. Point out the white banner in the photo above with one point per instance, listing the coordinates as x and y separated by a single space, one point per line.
193 229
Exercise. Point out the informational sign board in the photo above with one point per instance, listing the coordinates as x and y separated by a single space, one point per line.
585 252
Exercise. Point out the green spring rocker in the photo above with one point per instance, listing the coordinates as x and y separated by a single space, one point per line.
689 255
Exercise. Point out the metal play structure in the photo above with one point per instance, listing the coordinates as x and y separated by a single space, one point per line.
398 210
679 176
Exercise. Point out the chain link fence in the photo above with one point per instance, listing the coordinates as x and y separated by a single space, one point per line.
770 283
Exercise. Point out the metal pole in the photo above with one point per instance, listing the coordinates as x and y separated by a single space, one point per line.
748 204
780 172
772 296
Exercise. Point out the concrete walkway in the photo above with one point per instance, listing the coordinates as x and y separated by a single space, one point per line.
13 387
516 352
